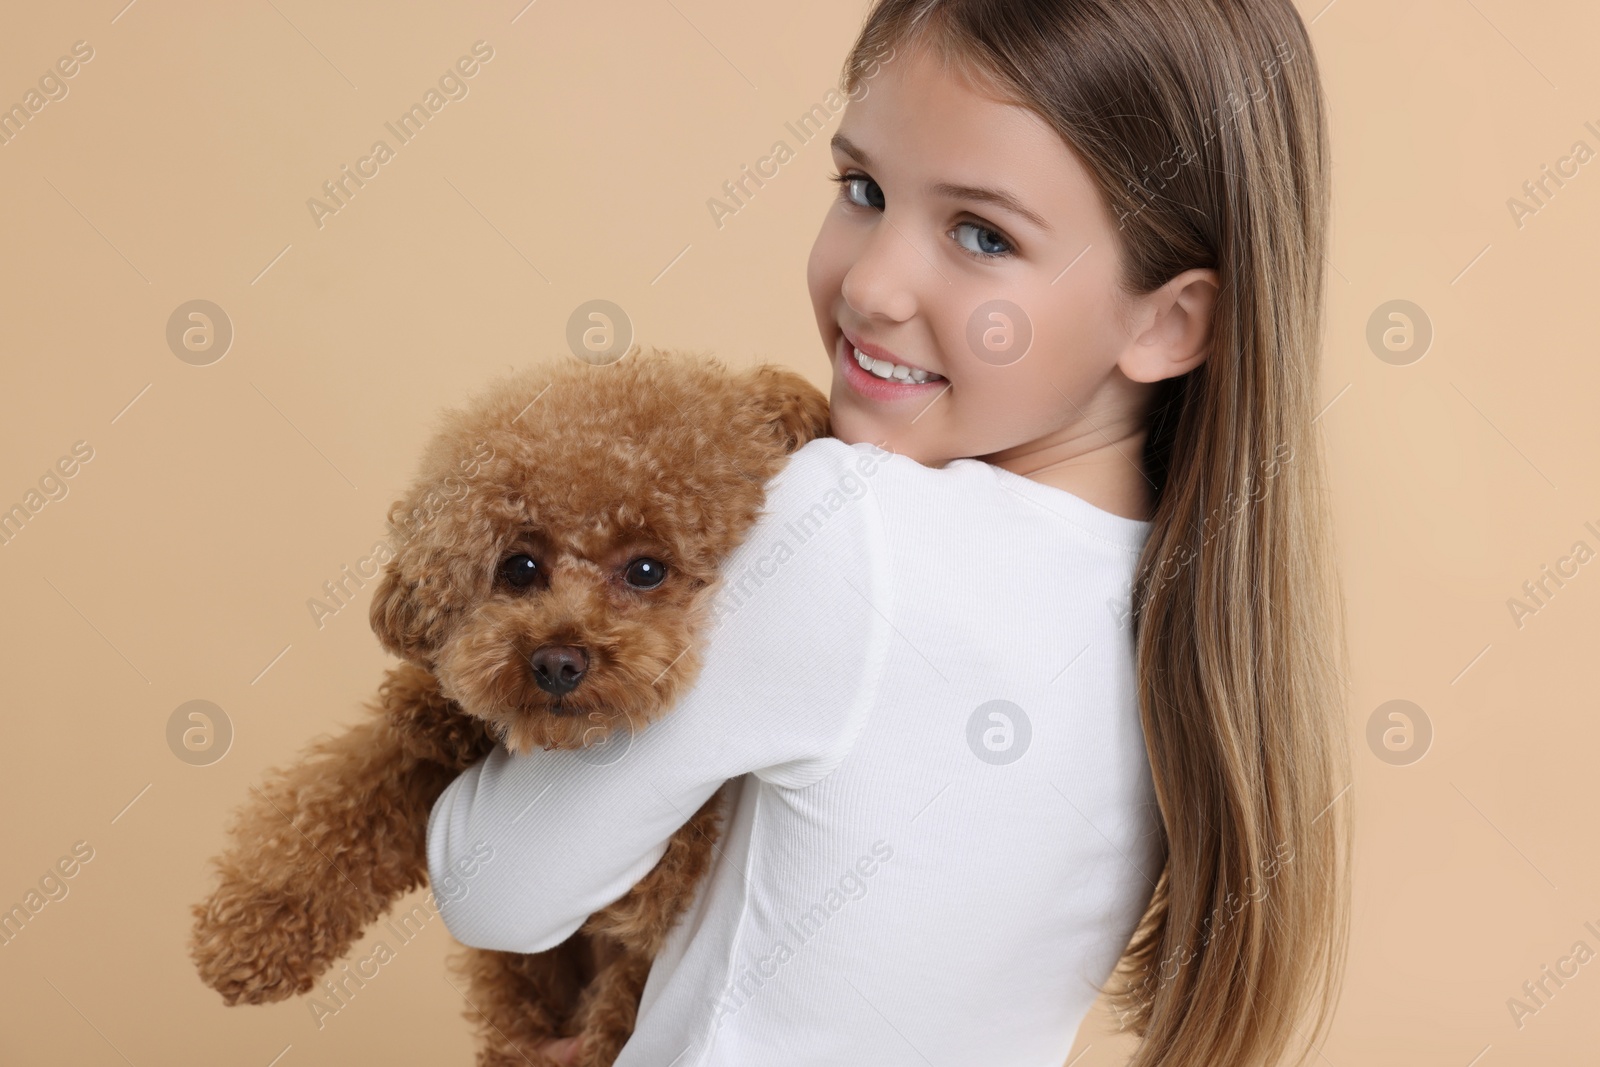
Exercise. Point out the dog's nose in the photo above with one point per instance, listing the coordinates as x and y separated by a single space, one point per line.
558 668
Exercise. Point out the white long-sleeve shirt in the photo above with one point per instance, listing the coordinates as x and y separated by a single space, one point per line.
945 829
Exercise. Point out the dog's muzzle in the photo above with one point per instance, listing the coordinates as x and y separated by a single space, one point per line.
557 669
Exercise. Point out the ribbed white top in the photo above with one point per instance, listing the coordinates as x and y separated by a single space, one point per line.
946 829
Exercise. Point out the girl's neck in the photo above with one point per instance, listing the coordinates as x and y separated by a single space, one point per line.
1108 473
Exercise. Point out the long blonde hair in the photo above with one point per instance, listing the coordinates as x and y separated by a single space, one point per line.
1202 123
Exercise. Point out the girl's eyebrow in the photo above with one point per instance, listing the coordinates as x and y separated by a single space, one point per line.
998 197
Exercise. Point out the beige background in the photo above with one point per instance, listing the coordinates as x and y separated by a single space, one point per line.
221 497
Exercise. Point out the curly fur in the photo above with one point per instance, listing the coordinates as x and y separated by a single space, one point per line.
664 454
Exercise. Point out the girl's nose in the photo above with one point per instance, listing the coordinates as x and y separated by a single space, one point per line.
880 282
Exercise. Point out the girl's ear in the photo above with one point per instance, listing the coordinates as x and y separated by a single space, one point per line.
789 406
1174 325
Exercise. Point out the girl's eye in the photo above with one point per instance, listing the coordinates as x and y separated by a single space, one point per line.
988 236
982 232
847 183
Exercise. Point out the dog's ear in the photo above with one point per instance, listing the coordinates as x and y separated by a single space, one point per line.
398 618
409 614
792 408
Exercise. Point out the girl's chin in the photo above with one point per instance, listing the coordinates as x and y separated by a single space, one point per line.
851 425
853 429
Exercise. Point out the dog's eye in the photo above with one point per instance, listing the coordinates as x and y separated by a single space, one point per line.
646 573
520 571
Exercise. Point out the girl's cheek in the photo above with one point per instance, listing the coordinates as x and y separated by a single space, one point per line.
825 249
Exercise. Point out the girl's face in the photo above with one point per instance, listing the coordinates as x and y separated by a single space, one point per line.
954 200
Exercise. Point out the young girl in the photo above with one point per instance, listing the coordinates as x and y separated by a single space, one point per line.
1052 678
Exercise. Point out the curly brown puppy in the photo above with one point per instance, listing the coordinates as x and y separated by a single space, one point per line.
556 559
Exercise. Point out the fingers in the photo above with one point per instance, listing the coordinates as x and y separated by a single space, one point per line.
564 1052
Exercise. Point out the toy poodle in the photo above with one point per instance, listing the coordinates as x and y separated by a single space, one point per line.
552 574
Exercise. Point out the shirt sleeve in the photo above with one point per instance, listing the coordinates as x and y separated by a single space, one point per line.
523 848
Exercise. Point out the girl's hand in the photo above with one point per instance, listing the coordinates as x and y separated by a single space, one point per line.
564 1052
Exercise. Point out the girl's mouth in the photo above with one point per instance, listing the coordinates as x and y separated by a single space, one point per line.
874 386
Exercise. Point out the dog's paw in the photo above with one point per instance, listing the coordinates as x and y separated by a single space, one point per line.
261 946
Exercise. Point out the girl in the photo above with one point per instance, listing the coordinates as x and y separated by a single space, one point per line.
1053 681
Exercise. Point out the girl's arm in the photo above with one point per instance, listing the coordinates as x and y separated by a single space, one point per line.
526 847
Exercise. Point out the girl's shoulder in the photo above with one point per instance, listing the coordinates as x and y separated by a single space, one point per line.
962 492
1115 531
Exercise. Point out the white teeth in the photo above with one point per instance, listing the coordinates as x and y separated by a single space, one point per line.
884 369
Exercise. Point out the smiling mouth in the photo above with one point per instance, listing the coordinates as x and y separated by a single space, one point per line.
888 371
876 388
879 364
